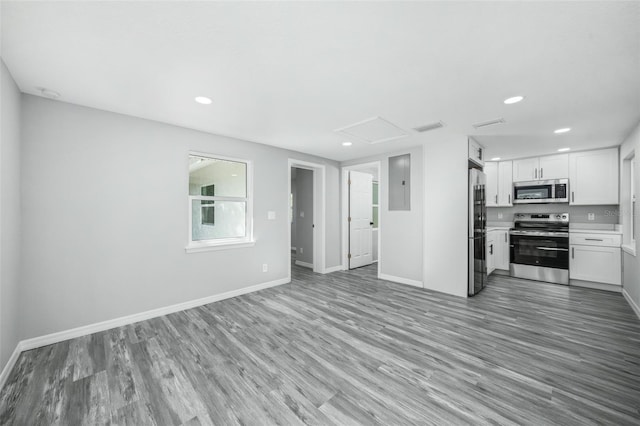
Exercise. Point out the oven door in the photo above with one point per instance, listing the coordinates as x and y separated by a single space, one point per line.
532 192
545 249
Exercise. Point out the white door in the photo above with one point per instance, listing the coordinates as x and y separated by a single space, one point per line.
554 167
491 188
505 183
360 218
524 170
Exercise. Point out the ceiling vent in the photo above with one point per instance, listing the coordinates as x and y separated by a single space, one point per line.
489 123
373 130
427 127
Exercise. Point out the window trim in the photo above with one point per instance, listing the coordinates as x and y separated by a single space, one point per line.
222 243
629 239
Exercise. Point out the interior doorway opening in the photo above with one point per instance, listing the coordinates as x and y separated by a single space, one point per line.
306 206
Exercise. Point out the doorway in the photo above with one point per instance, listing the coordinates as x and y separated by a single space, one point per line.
306 201
361 213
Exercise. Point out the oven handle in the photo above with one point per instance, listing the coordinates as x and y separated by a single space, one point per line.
539 234
552 249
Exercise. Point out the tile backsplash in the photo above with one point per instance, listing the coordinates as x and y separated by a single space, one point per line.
577 214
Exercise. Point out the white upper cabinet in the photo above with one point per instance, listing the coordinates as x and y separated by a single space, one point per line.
541 168
491 188
553 167
499 187
525 169
476 152
593 177
505 183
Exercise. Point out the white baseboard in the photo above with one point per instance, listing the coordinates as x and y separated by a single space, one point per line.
334 269
595 286
304 264
401 280
4 375
631 302
61 336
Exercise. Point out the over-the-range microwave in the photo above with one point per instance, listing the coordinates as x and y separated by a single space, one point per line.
541 191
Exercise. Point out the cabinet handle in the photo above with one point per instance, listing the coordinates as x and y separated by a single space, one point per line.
541 170
572 197
496 198
594 239
536 173
480 154
509 196
505 237
573 252
491 249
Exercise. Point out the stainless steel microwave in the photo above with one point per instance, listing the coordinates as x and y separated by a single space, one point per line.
541 191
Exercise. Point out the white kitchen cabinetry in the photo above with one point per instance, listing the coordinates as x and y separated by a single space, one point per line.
505 183
491 189
499 187
490 252
541 168
595 258
497 250
593 177
476 152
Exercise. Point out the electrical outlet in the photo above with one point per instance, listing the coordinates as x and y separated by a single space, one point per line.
500 215
301 214
271 215
591 216
265 267
301 250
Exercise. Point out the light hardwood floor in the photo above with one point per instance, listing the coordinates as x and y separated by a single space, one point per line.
346 348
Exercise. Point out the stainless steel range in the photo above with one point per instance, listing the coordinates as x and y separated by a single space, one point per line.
540 247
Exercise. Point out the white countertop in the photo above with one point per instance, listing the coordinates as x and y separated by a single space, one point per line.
498 228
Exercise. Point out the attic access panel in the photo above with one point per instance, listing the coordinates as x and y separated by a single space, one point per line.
373 130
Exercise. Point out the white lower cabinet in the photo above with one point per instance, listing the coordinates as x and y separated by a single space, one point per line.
595 258
497 250
490 252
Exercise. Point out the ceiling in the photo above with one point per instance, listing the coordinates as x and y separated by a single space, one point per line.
289 74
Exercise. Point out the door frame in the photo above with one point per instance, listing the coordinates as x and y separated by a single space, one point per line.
319 219
345 210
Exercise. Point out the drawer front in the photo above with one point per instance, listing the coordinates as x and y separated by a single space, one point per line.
603 240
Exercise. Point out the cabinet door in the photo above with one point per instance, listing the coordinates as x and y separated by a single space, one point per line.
595 263
553 167
593 177
505 183
501 245
490 253
476 152
525 169
491 188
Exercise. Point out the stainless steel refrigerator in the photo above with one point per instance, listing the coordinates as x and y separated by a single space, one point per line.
477 232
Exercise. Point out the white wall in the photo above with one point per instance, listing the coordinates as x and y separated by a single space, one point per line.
631 278
9 213
400 251
304 225
445 218
104 207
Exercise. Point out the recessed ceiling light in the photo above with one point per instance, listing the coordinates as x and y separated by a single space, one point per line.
203 100
563 130
513 100
347 143
563 149
495 159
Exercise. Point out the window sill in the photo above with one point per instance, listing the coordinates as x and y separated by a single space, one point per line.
629 249
196 248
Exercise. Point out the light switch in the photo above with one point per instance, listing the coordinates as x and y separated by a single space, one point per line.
301 214
271 215
591 216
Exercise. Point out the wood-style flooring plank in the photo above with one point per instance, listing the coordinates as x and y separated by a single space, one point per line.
347 348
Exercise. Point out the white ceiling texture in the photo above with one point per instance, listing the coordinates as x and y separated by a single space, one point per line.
289 74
